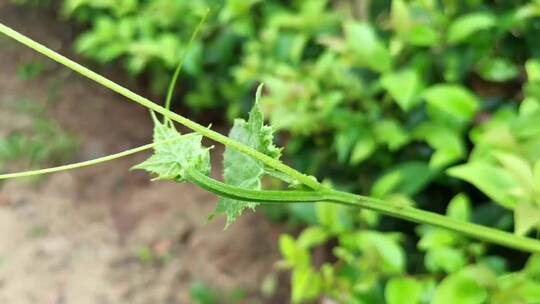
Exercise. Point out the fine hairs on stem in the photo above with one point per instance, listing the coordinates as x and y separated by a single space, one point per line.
318 192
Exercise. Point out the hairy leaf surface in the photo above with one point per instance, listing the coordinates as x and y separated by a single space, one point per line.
242 170
177 154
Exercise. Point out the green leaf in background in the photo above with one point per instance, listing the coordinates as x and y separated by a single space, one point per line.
446 259
343 143
526 218
105 42
436 238
391 133
403 86
242 170
335 218
529 106
202 294
363 148
494 132
526 126
466 25
408 29
451 103
390 257
444 249
423 35
532 267
459 207
521 289
460 288
236 8
532 67
497 183
400 16
306 284
171 160
536 181
30 70
520 169
403 291
498 69
295 255
312 236
448 144
367 50
407 178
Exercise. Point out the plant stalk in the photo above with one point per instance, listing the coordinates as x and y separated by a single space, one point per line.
321 193
268 161
408 213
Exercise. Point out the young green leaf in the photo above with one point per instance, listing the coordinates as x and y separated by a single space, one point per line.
242 170
390 256
407 178
459 207
519 168
403 291
497 183
532 67
423 35
403 86
446 142
400 16
366 48
536 181
171 160
446 259
469 24
312 236
363 148
451 104
526 218
306 284
460 288
498 69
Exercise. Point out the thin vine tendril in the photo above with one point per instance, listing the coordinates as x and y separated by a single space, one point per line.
172 84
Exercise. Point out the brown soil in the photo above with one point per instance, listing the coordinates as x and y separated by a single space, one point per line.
77 237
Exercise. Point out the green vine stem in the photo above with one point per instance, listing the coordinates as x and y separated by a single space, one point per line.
320 192
399 211
268 161
325 195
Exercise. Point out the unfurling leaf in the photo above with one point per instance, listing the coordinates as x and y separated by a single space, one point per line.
242 170
176 154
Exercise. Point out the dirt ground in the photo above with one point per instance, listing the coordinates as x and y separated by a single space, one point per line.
103 234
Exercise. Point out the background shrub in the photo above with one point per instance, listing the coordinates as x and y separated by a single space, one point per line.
431 103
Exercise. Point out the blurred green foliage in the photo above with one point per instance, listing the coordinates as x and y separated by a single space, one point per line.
200 293
30 70
432 103
30 137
